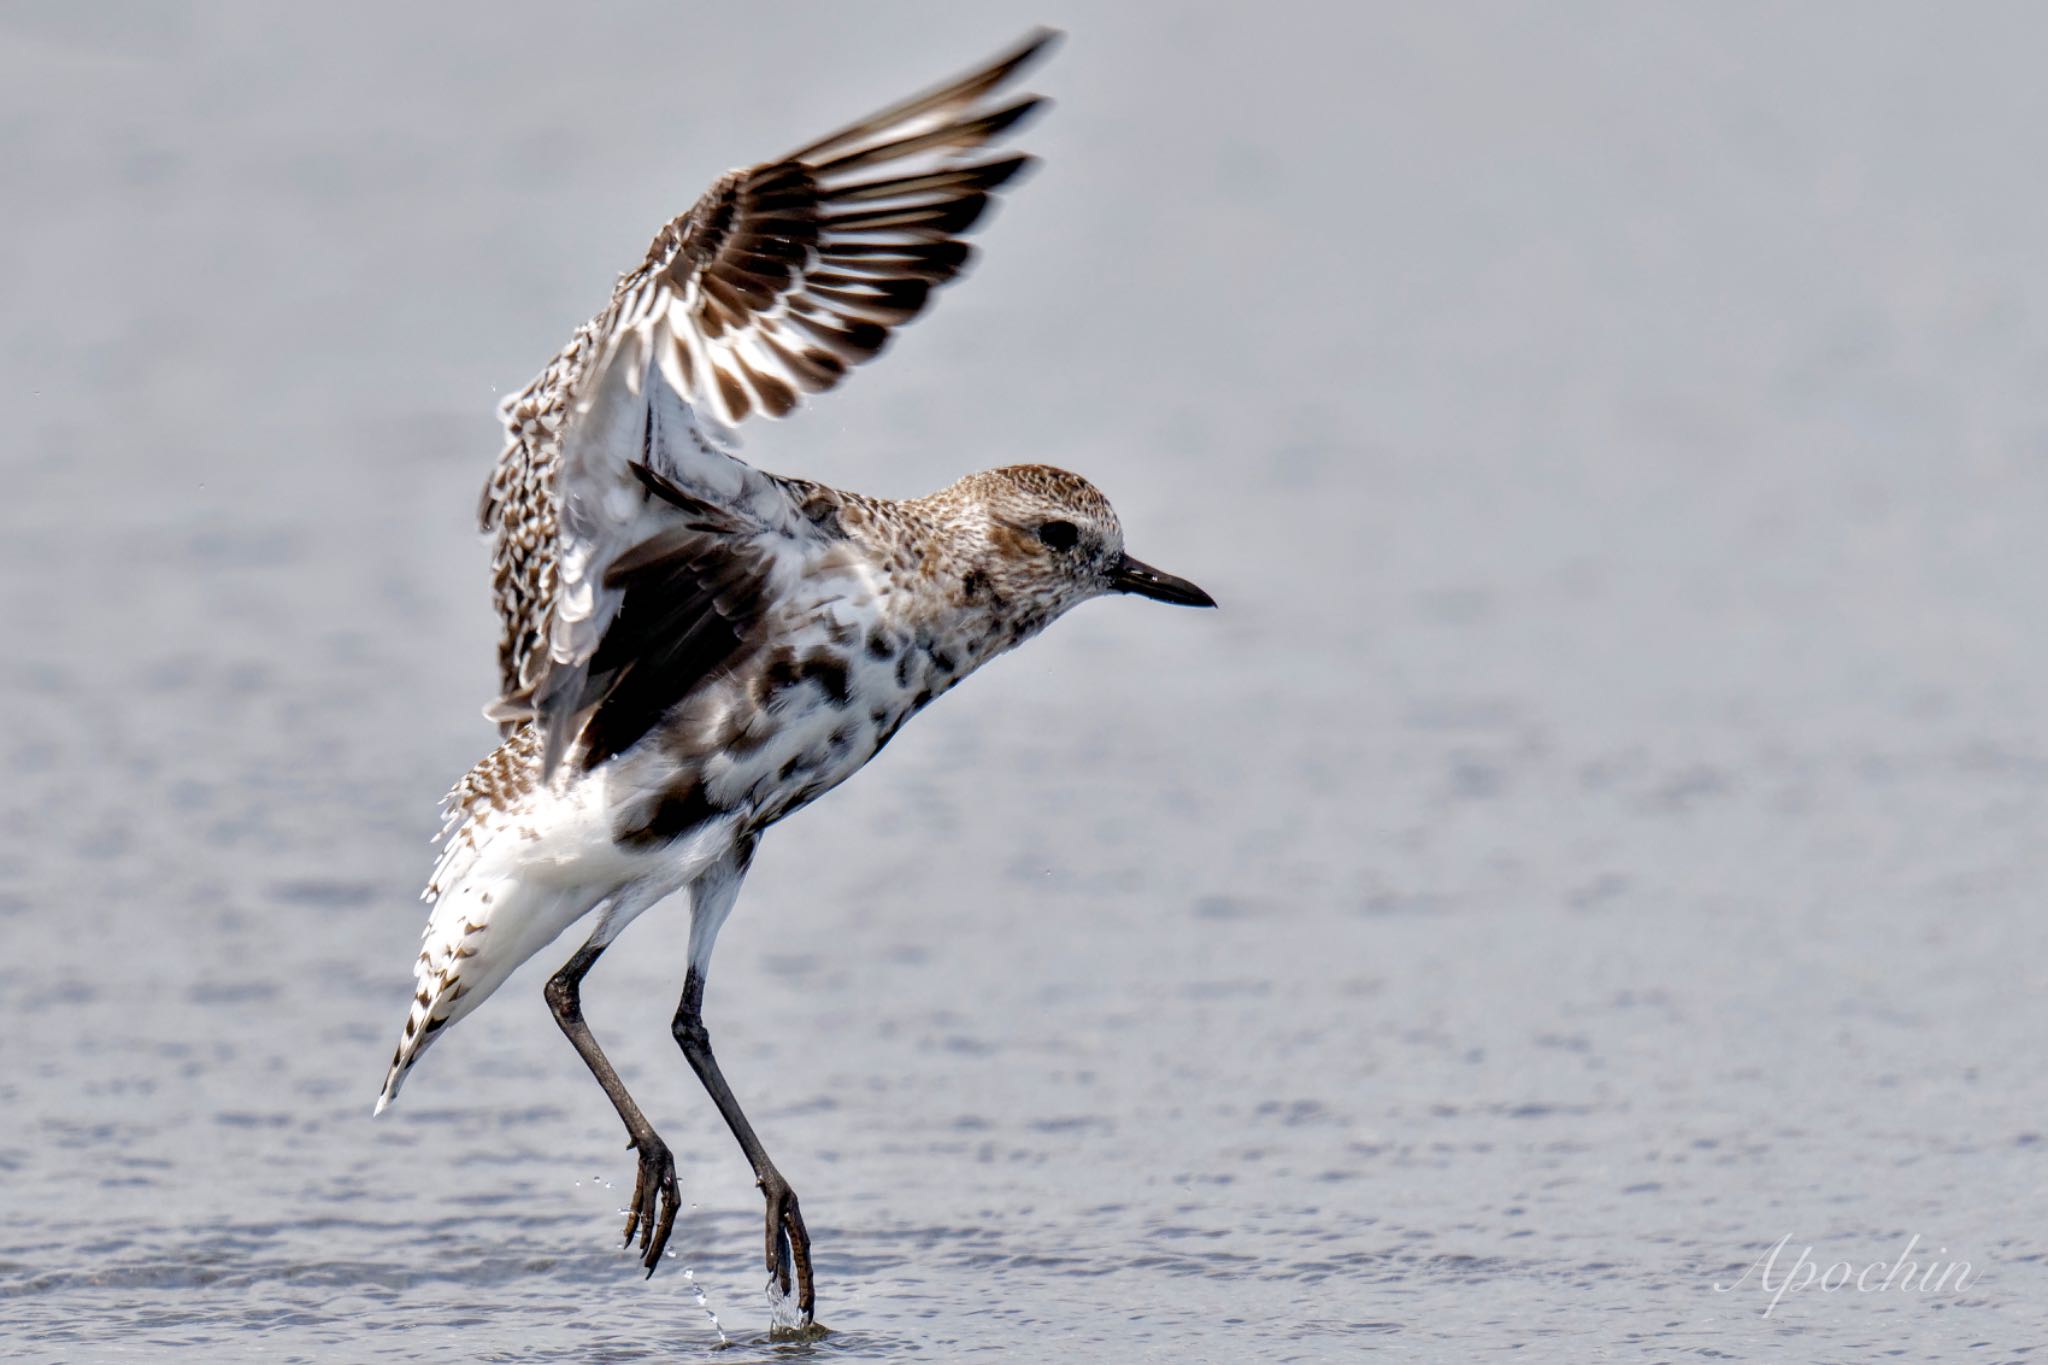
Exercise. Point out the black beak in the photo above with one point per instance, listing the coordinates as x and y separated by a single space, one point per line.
1130 575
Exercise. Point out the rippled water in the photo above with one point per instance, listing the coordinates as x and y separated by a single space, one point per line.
1600 836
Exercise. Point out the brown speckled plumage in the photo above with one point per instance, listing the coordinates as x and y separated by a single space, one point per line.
693 649
772 285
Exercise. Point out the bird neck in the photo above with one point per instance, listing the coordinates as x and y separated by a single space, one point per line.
948 588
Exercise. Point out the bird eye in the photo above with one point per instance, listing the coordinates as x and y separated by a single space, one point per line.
1061 535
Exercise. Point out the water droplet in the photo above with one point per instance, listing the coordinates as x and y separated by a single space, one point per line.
690 1275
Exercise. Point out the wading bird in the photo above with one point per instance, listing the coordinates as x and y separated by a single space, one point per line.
693 648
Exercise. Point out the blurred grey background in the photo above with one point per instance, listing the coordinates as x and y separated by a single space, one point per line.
1599 837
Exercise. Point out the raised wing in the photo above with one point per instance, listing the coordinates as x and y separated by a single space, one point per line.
780 279
787 273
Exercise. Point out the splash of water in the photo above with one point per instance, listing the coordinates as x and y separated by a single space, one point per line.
784 1318
691 1276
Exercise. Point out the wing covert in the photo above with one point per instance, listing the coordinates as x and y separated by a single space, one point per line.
778 281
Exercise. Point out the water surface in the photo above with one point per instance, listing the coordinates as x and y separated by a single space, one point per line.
1599 837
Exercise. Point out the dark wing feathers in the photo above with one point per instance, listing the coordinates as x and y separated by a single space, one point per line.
962 136
691 595
690 604
938 102
784 275
632 546
704 516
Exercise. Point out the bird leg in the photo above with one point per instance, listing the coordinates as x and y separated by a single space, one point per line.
789 1243
655 1197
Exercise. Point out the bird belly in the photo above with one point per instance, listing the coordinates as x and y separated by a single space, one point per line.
513 879
815 736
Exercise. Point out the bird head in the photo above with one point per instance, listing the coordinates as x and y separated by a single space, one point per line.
1052 541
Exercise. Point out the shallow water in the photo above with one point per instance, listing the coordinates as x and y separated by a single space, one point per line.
1600 836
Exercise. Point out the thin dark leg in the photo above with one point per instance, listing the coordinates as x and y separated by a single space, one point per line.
784 1219
655 1197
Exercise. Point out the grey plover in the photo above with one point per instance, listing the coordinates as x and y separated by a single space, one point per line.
693 648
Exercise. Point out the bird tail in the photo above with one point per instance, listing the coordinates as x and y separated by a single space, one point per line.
485 924
515 871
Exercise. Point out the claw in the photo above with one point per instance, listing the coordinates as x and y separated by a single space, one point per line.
656 1199
670 1199
633 1214
789 1245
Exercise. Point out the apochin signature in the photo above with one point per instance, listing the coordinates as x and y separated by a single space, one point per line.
1932 1276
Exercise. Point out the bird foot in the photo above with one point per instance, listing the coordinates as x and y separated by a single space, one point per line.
655 1200
789 1256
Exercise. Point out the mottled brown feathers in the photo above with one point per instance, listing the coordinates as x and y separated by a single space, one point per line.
776 282
692 600
788 272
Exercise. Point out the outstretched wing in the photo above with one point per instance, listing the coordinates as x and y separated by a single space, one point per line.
774 284
785 274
